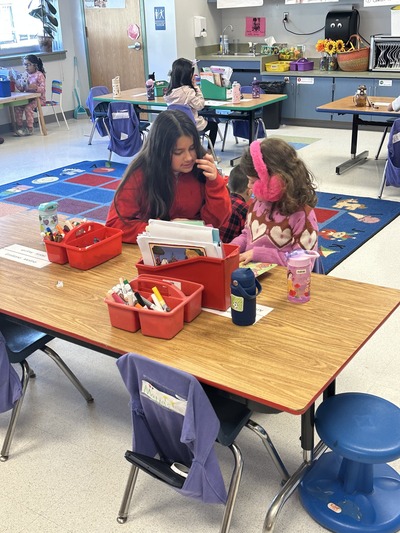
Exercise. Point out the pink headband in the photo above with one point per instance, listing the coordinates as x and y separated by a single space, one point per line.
268 188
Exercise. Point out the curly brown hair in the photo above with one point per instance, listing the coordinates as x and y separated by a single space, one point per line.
281 158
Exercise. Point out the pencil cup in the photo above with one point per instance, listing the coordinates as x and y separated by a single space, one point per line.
48 216
299 267
244 290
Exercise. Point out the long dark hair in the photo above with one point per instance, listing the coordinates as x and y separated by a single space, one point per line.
181 74
35 60
282 159
158 189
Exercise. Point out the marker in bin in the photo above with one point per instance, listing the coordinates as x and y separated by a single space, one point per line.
161 299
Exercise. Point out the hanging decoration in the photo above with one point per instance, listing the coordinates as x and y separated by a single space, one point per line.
133 32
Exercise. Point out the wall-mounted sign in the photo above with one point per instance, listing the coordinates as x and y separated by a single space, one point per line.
255 27
159 18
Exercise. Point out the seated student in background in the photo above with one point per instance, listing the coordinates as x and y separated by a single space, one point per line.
395 105
183 90
172 178
34 82
281 217
240 193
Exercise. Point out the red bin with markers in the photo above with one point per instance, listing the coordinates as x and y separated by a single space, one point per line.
182 298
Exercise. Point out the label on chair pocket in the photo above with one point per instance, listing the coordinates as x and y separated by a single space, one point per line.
163 399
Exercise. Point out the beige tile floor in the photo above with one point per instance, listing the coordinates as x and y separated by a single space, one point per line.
66 472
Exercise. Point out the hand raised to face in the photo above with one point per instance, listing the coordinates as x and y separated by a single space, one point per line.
207 165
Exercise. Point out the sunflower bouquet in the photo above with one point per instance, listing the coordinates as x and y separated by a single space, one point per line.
329 48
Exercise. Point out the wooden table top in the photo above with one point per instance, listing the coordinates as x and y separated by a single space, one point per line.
138 97
347 105
15 96
285 360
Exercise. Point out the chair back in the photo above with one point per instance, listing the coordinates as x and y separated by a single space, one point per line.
91 104
10 384
184 108
56 87
98 110
123 125
172 417
392 171
241 127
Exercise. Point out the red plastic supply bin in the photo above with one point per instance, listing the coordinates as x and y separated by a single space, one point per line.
153 323
183 297
213 273
56 252
192 292
91 244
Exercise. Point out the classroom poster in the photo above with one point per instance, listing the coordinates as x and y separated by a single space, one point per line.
255 27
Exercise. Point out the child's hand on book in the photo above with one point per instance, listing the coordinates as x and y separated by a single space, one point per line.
246 257
207 165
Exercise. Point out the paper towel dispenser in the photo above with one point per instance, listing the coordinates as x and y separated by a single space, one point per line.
341 24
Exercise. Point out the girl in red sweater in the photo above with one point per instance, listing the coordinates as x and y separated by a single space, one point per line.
172 178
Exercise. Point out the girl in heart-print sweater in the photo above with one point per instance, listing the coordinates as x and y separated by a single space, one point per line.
281 217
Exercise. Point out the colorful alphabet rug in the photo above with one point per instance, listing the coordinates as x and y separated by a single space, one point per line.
347 222
86 189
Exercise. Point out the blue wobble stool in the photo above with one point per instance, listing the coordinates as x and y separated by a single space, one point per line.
351 488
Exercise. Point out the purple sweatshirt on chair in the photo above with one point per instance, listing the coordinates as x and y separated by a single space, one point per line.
182 425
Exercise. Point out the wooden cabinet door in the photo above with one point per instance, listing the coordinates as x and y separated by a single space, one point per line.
108 41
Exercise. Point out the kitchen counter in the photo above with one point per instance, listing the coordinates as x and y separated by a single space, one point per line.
316 73
258 64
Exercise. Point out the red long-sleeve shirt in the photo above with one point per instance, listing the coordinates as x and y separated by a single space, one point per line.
208 201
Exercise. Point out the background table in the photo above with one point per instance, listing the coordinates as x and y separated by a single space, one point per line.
247 107
18 98
346 106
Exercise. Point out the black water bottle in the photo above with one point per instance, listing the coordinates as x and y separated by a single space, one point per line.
244 290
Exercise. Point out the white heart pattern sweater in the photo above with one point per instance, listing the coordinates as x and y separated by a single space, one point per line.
272 235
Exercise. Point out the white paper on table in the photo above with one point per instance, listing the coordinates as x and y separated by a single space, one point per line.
381 103
25 255
261 310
